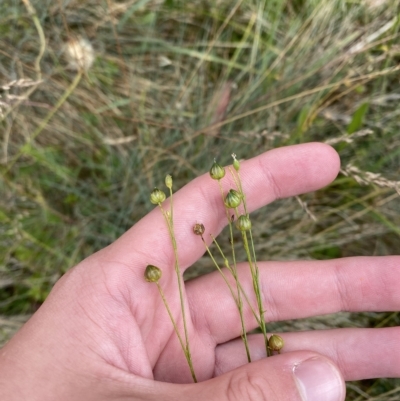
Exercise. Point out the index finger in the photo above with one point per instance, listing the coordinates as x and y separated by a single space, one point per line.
278 173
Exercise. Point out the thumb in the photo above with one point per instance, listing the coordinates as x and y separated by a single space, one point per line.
295 376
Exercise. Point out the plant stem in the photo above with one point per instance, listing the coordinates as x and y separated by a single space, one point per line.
48 117
42 49
233 270
237 299
169 221
170 316
257 292
253 264
237 281
184 348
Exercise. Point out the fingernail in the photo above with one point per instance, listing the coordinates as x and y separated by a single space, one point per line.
317 379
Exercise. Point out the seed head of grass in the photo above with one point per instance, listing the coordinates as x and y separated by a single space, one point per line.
79 54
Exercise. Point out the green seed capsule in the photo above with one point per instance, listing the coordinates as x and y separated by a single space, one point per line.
168 181
233 199
157 196
243 223
152 274
236 164
276 342
217 172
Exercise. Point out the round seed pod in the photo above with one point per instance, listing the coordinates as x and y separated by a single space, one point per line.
152 274
233 199
217 172
243 223
168 181
236 164
276 342
157 196
199 229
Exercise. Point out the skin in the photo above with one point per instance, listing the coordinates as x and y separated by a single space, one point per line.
104 334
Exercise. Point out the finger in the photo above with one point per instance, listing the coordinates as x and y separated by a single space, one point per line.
293 290
275 174
297 376
359 353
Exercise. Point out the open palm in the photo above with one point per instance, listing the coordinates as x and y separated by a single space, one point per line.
104 322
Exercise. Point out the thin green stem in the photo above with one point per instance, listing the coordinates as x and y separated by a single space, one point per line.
239 182
238 300
257 292
48 117
220 270
189 360
169 221
233 270
42 38
170 316
252 262
42 49
236 179
242 291
228 217
226 262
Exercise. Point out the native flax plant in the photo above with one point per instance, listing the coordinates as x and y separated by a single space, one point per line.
217 173
157 197
199 229
243 223
234 199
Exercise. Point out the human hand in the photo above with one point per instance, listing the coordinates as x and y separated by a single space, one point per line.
104 334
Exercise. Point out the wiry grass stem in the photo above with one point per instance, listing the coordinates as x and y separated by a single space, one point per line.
48 117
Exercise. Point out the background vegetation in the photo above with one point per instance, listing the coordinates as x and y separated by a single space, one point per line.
174 84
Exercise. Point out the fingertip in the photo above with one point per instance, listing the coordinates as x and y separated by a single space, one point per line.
321 161
292 170
317 378
296 376
330 159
